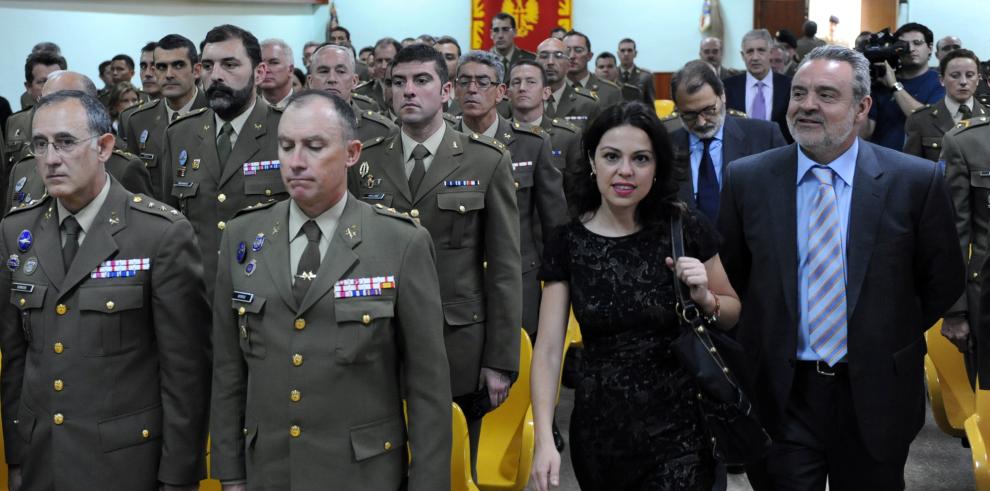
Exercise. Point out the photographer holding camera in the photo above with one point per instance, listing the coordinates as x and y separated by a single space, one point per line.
899 92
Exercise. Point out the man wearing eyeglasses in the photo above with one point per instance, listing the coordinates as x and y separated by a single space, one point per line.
578 49
105 335
539 185
576 105
710 138
504 41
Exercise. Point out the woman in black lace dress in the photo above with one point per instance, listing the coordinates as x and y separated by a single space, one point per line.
636 425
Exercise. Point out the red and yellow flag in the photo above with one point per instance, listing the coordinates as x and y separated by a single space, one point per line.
534 20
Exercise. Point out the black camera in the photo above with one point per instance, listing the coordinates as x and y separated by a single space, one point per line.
883 46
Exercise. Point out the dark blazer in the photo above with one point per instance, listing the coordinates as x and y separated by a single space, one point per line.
735 98
741 137
904 270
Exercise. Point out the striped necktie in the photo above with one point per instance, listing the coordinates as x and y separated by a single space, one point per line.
826 282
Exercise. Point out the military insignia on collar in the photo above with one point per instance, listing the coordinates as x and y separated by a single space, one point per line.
276 228
364 168
351 232
307 275
370 181
114 220
24 240
257 126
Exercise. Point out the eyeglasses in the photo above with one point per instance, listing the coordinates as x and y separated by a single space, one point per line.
709 112
484 83
557 55
62 146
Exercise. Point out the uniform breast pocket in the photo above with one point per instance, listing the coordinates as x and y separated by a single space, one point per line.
112 320
29 300
149 159
363 325
265 183
523 176
184 191
979 180
462 209
248 320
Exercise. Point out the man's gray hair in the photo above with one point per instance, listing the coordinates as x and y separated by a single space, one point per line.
485 58
757 34
97 117
344 50
858 62
282 44
345 115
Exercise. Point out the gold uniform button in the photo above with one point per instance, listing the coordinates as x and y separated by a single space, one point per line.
58 348
461 209
295 431
297 359
414 213
517 184
241 311
295 396
366 319
976 275
137 199
221 197
145 434
221 225
58 418
268 192
300 324
21 302
388 446
61 309
110 305
59 385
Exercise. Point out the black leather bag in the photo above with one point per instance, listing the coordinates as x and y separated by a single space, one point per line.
712 358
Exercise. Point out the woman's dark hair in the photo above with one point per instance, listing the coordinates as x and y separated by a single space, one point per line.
300 76
583 194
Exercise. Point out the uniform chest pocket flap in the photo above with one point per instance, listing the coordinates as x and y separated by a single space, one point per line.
378 438
131 429
112 319
150 160
252 343
931 142
363 324
267 183
523 176
979 178
184 189
26 296
464 204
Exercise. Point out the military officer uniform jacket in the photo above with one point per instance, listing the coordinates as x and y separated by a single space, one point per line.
540 199
565 149
467 201
643 79
105 365
17 138
632 93
371 124
517 55
967 177
926 126
372 90
309 396
144 132
208 192
502 107
363 102
26 185
608 93
576 106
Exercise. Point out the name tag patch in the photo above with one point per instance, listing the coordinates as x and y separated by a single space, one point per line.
252 168
243 297
363 287
579 118
463 184
22 287
121 268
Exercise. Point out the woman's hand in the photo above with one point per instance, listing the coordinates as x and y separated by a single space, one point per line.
692 273
546 466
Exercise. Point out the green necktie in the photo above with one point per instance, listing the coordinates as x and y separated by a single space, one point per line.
309 262
223 142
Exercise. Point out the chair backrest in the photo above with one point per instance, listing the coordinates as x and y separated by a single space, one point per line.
951 395
460 453
664 107
499 446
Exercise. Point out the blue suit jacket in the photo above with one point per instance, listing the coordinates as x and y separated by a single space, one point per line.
905 269
735 98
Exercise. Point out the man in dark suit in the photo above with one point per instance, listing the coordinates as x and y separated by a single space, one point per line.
711 138
844 253
760 93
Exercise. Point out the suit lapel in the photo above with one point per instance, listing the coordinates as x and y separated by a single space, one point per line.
50 257
340 255
99 244
504 133
276 257
733 142
247 142
781 97
447 159
564 104
394 167
868 195
208 148
783 212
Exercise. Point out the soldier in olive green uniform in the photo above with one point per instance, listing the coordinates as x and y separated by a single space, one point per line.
926 126
332 70
572 104
18 137
631 74
313 355
104 337
461 189
503 34
578 49
214 165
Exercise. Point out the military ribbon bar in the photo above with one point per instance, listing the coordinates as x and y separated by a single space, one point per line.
252 168
462 184
121 268
363 287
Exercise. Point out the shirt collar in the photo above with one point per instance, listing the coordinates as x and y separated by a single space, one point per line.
844 165
559 94
492 130
767 80
432 143
583 81
238 122
694 140
953 106
281 103
184 109
87 214
327 221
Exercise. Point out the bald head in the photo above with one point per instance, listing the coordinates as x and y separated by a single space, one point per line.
66 80
711 51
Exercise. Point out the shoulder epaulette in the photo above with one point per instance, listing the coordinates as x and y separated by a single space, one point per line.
376 117
261 205
491 142
528 128
733 112
450 118
971 123
567 125
361 85
194 112
585 92
26 156
144 106
124 153
372 142
922 108
393 213
21 111
363 97
609 82
147 204
30 204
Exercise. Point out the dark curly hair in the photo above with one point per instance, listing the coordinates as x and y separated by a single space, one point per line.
661 200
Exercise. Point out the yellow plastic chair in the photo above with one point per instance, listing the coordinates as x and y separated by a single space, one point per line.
209 484
978 433
460 454
664 107
505 448
951 396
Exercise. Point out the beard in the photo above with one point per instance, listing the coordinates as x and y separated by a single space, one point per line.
227 102
710 129
830 136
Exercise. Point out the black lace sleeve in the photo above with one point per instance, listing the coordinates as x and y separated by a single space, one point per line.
557 255
700 237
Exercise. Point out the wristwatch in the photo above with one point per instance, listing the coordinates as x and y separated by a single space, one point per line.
898 87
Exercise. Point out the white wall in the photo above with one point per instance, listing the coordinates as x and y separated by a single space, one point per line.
89 32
